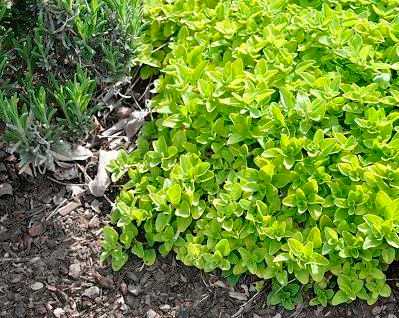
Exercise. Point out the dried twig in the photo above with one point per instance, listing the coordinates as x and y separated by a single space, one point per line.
202 300
244 308
65 183
56 209
146 90
109 200
14 260
63 26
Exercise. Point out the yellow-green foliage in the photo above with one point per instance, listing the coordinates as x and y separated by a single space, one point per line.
275 146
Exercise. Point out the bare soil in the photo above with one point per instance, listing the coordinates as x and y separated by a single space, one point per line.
49 267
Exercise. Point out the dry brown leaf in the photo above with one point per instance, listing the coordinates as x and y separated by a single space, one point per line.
124 112
5 189
75 189
76 153
104 281
69 173
238 296
35 230
135 122
101 182
131 125
115 128
69 207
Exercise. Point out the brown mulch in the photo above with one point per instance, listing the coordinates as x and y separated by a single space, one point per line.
49 267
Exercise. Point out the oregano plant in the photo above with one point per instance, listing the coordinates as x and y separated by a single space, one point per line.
274 148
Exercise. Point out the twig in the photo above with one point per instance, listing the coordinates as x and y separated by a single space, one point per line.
244 307
203 280
146 90
109 200
130 89
135 101
65 183
86 175
62 27
122 95
297 311
203 299
14 260
56 209
160 47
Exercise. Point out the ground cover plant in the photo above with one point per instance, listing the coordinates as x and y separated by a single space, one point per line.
56 57
275 147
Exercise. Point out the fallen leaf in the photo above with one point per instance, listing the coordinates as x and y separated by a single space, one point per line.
11 158
152 314
69 207
94 223
75 270
123 288
92 292
27 241
26 169
96 206
117 143
83 223
59 198
238 296
76 190
131 123
35 230
220 284
59 312
66 173
103 281
72 153
101 182
5 189
115 128
51 288
37 286
135 122
124 112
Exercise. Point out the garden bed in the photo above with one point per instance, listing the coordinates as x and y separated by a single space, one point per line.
39 260
259 160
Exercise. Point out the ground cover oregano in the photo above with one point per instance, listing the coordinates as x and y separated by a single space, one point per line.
274 145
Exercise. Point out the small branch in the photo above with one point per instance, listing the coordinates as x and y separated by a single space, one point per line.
62 28
14 260
56 209
64 183
244 308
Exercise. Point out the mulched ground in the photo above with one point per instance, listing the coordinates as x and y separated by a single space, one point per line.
49 267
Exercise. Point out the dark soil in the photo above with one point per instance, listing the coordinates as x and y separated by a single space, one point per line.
49 267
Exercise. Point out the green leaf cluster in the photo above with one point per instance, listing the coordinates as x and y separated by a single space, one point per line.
275 146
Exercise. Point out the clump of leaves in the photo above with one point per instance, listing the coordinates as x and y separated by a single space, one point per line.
103 33
55 57
26 133
287 296
275 149
74 98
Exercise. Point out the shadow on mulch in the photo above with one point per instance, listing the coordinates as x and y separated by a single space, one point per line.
51 269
